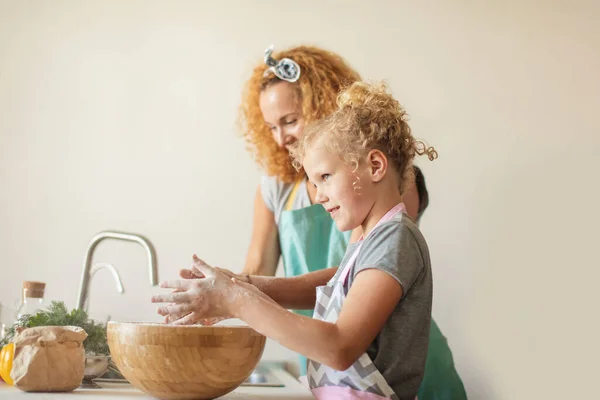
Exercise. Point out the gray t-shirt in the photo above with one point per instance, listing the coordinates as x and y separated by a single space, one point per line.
400 349
276 193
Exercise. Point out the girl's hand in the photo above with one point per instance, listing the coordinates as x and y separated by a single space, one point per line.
194 273
215 296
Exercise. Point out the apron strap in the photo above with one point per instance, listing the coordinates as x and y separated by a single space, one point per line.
397 209
292 197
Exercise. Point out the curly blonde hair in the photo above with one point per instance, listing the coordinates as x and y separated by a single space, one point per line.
323 75
368 118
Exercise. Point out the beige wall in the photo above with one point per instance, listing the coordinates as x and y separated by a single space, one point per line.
120 115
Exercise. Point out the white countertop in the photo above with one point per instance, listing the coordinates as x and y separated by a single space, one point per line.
292 390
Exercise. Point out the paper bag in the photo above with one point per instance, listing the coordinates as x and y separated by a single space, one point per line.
49 359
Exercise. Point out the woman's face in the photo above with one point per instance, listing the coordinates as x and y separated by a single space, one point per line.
281 108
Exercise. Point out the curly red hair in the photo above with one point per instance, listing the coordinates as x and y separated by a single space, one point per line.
323 75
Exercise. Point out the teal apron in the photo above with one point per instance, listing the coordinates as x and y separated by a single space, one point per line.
310 241
441 381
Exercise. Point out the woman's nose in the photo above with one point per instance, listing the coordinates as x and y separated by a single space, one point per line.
284 140
279 137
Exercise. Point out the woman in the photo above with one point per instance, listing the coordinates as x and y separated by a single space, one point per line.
286 92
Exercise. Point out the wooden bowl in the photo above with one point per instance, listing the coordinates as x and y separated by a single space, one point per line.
184 362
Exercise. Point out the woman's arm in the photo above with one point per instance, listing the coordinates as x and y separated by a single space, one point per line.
263 257
298 292
263 254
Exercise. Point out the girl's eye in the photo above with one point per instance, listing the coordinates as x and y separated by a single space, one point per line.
325 177
291 122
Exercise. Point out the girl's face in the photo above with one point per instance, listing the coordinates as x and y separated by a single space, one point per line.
282 111
345 194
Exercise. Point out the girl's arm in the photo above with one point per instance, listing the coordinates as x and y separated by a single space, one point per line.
337 345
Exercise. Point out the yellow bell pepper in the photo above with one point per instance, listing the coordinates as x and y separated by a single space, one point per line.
6 362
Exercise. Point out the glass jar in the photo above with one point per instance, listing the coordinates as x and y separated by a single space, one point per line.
32 299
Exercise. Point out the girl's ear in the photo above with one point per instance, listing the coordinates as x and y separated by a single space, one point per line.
378 165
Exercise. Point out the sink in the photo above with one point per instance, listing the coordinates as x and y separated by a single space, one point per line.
262 377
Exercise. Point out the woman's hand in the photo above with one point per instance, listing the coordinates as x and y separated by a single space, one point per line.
206 294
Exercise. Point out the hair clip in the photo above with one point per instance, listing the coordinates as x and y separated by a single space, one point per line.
285 69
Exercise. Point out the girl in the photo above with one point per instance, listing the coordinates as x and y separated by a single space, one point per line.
286 91
369 334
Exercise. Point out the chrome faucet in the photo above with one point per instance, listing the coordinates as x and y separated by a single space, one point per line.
87 273
115 275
